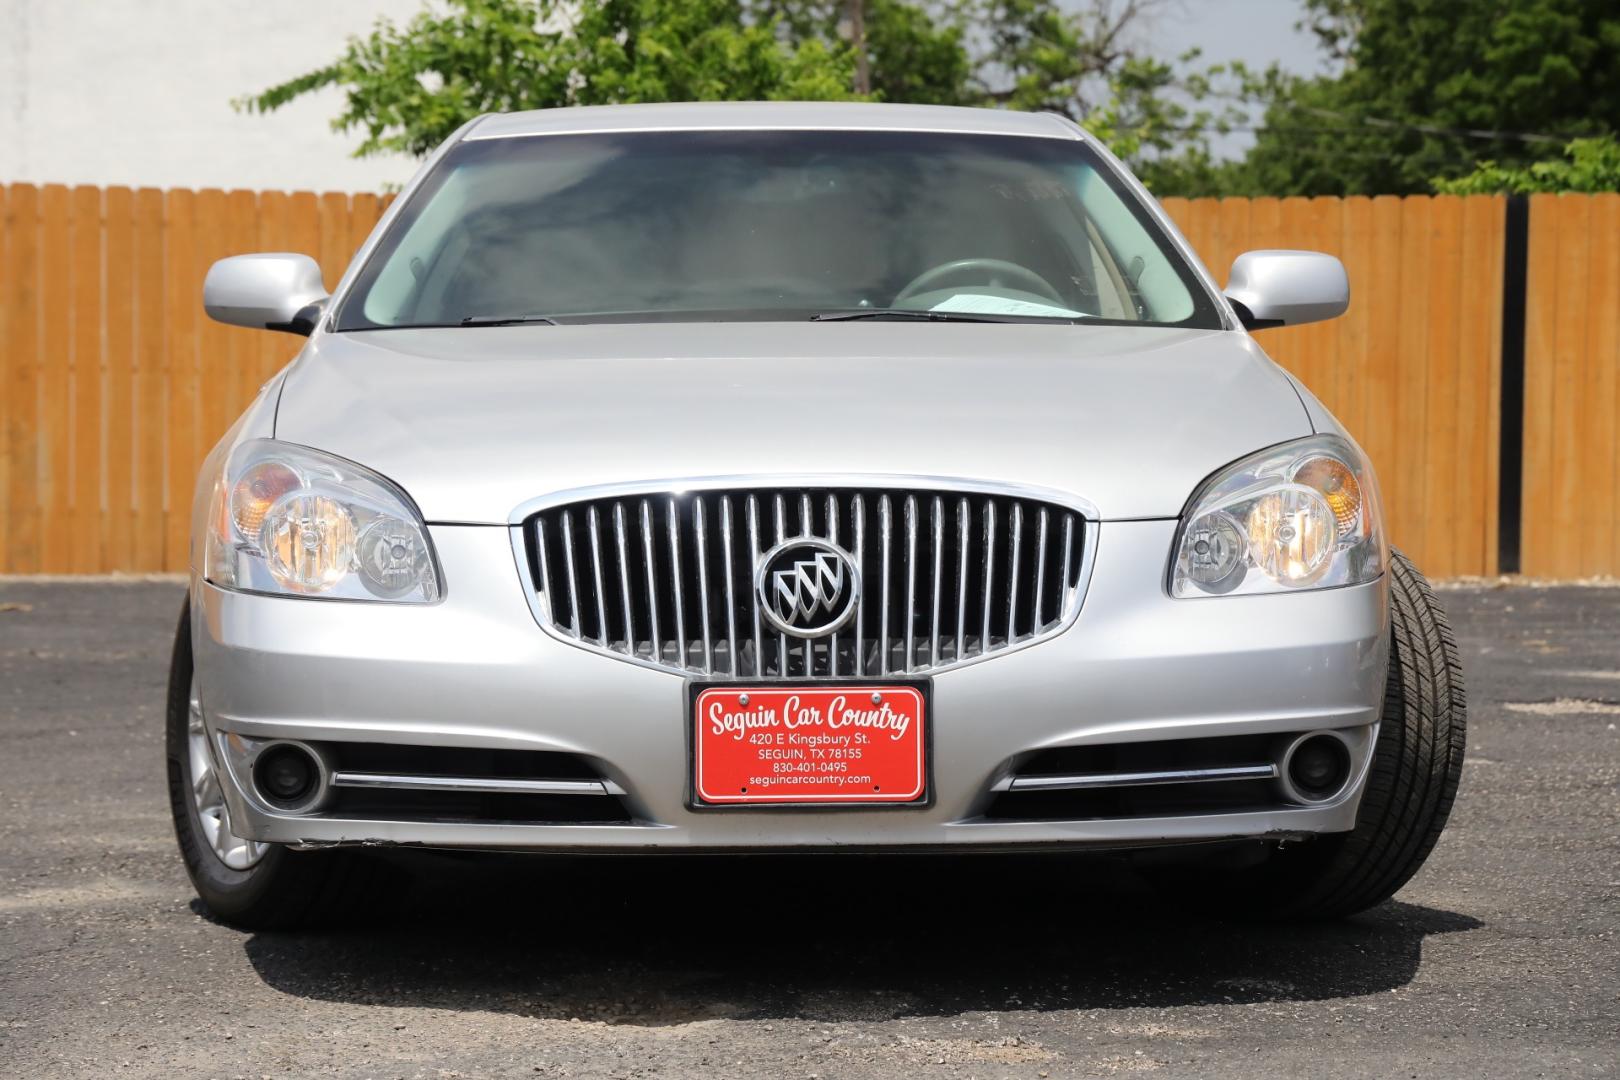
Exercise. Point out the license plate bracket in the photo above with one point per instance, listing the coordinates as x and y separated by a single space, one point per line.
852 744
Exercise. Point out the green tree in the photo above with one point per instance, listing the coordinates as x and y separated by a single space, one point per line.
408 87
1087 65
918 56
1158 121
915 53
1430 87
1588 165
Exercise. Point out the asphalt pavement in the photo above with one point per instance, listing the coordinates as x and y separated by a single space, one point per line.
1501 959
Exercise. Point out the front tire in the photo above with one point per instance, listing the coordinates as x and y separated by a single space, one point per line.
246 884
1410 786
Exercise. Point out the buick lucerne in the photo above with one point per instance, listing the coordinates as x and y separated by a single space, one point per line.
796 478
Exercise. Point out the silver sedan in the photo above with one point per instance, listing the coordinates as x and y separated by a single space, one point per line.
788 477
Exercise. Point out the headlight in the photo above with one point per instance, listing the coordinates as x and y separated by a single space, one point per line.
1298 516
287 519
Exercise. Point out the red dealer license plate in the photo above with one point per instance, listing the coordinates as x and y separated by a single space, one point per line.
821 744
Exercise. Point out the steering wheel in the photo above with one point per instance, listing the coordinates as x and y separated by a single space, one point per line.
993 269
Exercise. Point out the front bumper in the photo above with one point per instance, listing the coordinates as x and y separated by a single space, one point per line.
475 670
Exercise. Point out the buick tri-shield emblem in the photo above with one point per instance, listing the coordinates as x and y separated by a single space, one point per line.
807 587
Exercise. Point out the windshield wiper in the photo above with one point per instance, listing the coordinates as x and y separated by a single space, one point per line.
505 320
931 316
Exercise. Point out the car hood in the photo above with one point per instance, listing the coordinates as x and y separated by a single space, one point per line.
475 422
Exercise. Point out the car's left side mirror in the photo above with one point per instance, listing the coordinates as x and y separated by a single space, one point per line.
1287 288
271 291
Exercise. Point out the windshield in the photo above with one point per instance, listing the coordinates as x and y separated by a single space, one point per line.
731 225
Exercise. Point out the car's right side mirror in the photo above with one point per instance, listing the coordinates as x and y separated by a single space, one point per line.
1287 288
271 291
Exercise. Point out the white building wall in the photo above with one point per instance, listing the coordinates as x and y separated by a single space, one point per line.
138 92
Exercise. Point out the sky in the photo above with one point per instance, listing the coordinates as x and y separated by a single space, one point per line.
1257 32
144 97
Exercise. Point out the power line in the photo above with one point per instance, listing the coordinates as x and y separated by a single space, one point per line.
1303 129
1452 153
1436 129
1359 122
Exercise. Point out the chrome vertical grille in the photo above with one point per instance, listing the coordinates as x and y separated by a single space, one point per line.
668 579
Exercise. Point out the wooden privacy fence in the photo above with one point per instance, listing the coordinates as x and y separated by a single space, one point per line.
1571 522
113 384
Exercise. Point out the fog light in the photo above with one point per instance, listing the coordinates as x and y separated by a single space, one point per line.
287 776
1318 767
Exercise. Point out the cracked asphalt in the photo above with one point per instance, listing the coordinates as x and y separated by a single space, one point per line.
1501 959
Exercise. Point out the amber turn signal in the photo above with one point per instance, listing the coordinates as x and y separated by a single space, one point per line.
256 492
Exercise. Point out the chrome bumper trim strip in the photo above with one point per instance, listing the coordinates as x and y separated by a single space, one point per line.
1138 779
472 783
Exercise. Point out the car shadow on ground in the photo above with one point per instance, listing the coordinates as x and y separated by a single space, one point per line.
657 940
